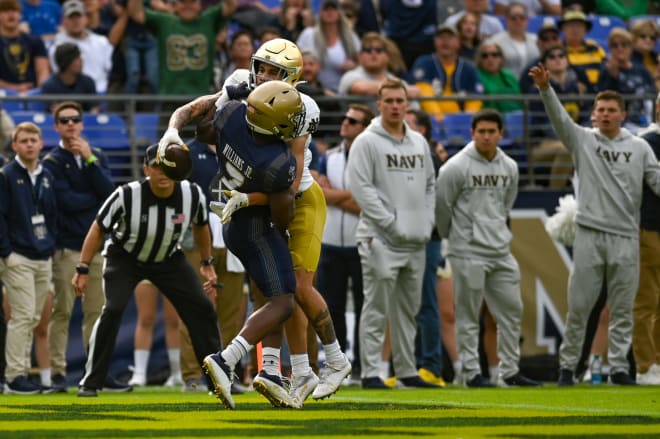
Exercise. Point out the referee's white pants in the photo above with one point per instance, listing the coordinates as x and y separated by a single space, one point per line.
598 257
498 283
392 291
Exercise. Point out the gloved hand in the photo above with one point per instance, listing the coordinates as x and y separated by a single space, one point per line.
237 200
170 136
217 207
240 91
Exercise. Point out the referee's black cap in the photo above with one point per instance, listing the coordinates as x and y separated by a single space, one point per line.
150 155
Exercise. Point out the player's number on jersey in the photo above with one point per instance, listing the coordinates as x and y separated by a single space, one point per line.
186 52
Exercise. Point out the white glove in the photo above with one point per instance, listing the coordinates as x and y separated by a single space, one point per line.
217 207
237 200
170 136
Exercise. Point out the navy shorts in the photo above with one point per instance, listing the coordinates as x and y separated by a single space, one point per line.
263 252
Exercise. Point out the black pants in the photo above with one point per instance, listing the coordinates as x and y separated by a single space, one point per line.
177 280
336 266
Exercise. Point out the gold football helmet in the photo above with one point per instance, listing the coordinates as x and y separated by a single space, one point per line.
282 54
275 108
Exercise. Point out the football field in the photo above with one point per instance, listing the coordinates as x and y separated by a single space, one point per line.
582 411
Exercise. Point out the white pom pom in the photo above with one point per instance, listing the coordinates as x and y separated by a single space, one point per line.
561 225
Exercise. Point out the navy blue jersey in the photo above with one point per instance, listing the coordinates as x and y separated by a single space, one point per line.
246 165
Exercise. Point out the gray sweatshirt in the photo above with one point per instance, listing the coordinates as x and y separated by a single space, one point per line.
611 172
473 199
393 183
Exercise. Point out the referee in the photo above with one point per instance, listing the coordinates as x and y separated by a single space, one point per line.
146 221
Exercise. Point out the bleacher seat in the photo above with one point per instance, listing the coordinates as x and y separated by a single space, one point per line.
602 25
146 128
45 121
456 128
13 105
536 22
35 105
109 132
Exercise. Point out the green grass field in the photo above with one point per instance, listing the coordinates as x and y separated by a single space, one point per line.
578 412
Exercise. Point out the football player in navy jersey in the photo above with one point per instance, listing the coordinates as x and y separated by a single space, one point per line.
253 156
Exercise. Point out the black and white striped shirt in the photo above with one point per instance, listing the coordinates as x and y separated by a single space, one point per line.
148 227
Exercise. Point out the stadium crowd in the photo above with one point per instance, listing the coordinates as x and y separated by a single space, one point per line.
376 73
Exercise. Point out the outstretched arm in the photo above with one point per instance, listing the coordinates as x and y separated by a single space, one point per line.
192 112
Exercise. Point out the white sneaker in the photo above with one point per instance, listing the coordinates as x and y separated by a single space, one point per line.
138 380
174 380
650 378
331 379
220 375
302 387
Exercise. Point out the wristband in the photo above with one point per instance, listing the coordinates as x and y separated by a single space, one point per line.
91 159
82 268
207 262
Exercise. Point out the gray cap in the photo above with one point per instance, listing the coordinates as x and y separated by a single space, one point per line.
446 28
71 7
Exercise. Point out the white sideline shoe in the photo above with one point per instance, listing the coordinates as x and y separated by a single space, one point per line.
331 378
302 387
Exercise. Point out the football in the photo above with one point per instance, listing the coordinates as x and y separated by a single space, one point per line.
177 163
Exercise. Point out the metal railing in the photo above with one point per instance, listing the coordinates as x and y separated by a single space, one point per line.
126 153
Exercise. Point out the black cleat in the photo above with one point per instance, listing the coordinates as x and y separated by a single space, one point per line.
621 379
86 392
565 378
416 381
520 380
373 383
479 381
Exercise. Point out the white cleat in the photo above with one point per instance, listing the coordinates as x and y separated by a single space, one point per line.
175 380
331 379
220 375
272 388
302 387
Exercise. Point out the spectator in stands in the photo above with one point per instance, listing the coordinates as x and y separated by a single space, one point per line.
241 48
96 50
518 46
110 19
587 7
583 53
443 73
42 17
621 74
82 182
267 33
69 78
496 79
534 7
366 78
468 33
28 217
622 9
188 72
395 65
548 150
23 60
312 86
253 15
334 41
645 36
141 52
410 25
340 260
294 16
488 24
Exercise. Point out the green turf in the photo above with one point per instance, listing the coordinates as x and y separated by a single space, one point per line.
582 411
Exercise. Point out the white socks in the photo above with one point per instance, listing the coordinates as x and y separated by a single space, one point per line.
174 355
44 374
270 361
300 365
333 354
237 349
141 360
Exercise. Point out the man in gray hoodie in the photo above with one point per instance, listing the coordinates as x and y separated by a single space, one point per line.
475 192
612 166
392 179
